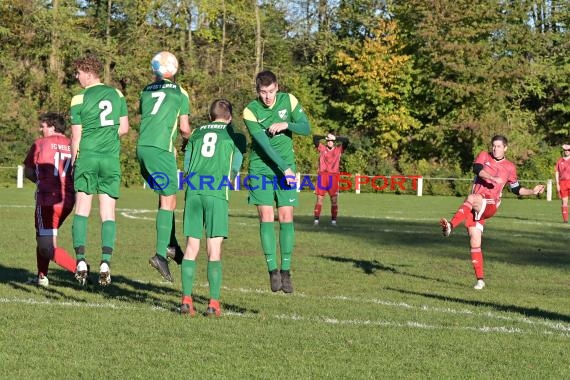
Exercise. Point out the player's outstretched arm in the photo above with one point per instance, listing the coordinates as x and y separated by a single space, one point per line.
317 140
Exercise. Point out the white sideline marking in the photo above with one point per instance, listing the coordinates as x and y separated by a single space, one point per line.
132 213
295 317
560 328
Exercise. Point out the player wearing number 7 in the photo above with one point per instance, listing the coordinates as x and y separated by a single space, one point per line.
164 108
48 165
98 119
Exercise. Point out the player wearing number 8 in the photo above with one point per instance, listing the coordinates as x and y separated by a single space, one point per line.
164 109
98 119
214 150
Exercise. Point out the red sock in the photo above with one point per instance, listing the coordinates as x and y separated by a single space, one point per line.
64 260
318 208
477 261
334 212
461 214
42 263
565 214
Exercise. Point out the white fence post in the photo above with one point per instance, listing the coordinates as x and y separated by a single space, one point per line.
237 182
20 177
356 184
420 186
549 190
298 182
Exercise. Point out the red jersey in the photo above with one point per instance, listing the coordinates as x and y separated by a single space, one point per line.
50 158
504 169
329 159
563 169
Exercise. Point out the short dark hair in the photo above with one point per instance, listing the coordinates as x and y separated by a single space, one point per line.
89 64
500 138
220 109
265 78
54 119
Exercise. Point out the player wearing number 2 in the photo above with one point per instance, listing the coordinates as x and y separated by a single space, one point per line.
48 164
98 119
164 109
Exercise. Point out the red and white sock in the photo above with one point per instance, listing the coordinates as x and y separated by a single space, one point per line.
477 261
64 260
461 214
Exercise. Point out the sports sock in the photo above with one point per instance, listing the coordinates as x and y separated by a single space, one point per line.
163 230
215 279
173 241
286 244
79 233
268 244
187 269
565 214
334 212
42 263
477 261
108 233
317 211
461 214
64 260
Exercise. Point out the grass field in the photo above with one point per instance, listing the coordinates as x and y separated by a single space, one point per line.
382 295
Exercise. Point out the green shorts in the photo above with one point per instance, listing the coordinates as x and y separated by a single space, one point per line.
267 191
203 211
97 175
159 169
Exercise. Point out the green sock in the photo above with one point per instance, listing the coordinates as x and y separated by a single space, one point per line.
108 233
173 241
79 235
163 228
286 243
268 244
215 279
187 270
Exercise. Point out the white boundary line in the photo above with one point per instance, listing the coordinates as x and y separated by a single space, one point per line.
295 317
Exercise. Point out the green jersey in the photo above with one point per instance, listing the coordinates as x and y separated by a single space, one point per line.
98 110
161 104
212 159
271 156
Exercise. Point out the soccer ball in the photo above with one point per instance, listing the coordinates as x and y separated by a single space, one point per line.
164 64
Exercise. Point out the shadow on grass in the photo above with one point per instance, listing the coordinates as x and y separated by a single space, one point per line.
415 235
527 312
369 267
122 288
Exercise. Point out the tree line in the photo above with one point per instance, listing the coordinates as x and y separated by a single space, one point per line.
418 86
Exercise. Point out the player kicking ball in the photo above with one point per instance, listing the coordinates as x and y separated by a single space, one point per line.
492 172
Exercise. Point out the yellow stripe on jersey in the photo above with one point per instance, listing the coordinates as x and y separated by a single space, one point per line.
120 93
77 99
293 100
248 115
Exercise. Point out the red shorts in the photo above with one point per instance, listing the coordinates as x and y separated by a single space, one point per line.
487 211
327 183
564 188
50 218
